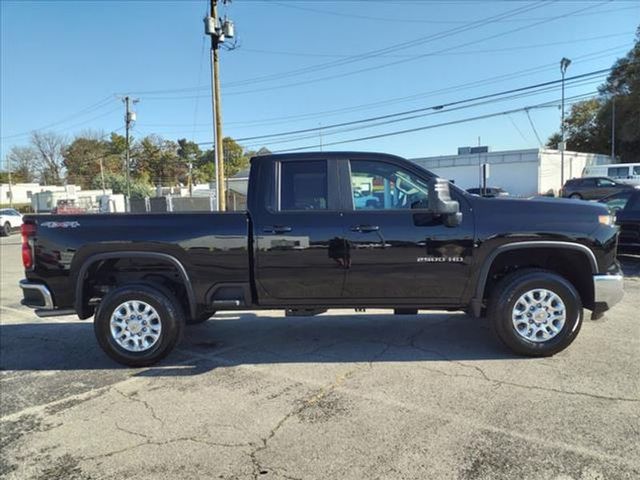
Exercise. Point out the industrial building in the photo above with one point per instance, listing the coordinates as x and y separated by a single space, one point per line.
520 172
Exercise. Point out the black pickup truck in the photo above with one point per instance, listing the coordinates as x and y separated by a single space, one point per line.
329 230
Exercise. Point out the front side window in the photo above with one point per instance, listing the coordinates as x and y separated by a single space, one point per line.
303 185
636 170
384 186
618 201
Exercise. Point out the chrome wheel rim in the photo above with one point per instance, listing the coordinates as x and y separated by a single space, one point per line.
135 326
539 315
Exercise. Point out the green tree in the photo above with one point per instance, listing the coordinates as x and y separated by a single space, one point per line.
158 158
588 125
118 184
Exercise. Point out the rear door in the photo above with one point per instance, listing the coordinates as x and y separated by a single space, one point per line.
629 221
299 238
396 251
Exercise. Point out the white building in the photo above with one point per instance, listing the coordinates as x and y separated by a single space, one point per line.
23 192
519 172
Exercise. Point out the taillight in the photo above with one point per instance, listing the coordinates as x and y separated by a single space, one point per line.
27 230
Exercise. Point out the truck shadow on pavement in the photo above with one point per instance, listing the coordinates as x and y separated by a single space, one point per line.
235 339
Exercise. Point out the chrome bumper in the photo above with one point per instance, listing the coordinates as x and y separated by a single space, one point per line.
36 295
608 289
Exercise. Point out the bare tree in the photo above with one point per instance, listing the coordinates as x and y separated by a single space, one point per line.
49 147
23 163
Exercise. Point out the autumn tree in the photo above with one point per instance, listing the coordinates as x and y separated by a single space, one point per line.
49 147
22 162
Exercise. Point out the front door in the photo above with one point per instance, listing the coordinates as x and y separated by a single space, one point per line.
299 234
398 250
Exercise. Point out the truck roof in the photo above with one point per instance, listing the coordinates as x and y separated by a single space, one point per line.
327 155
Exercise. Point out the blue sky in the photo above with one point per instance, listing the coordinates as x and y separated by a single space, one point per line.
63 62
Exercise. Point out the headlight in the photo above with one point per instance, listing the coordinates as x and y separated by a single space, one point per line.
606 219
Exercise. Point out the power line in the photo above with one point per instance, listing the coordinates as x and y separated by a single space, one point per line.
426 127
397 62
362 56
387 122
91 108
466 52
431 107
416 20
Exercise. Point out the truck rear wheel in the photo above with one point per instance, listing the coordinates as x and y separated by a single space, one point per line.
137 325
535 312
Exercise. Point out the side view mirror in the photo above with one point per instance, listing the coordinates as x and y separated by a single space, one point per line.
440 202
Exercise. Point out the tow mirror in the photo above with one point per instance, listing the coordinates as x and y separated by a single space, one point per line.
440 202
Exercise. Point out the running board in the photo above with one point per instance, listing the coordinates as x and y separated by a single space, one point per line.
43 313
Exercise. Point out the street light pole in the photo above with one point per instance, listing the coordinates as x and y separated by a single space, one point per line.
564 63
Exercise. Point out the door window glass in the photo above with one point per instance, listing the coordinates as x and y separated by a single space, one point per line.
303 185
588 183
636 170
603 182
384 186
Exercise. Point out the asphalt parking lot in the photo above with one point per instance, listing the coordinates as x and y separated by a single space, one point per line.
341 395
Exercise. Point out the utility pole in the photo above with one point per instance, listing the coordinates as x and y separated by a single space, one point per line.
10 191
102 175
218 30
564 64
613 121
129 118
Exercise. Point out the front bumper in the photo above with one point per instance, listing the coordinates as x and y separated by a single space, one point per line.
608 290
38 296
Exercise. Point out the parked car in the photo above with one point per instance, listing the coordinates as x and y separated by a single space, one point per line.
626 208
304 246
10 220
489 192
622 172
592 188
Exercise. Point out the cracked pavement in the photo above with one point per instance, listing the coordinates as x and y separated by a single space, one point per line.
256 395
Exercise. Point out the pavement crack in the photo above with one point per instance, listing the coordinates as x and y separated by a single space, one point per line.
258 468
143 402
131 432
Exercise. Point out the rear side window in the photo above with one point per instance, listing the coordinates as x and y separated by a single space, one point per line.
303 185
618 172
636 170
588 182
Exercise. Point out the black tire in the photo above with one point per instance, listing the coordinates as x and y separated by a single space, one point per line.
576 196
169 314
6 229
201 319
505 296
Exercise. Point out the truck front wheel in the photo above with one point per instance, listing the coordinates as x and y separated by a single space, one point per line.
137 325
535 312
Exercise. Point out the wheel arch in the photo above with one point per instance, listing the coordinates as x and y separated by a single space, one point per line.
541 254
81 304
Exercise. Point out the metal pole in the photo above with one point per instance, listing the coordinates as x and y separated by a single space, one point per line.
215 133
613 129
